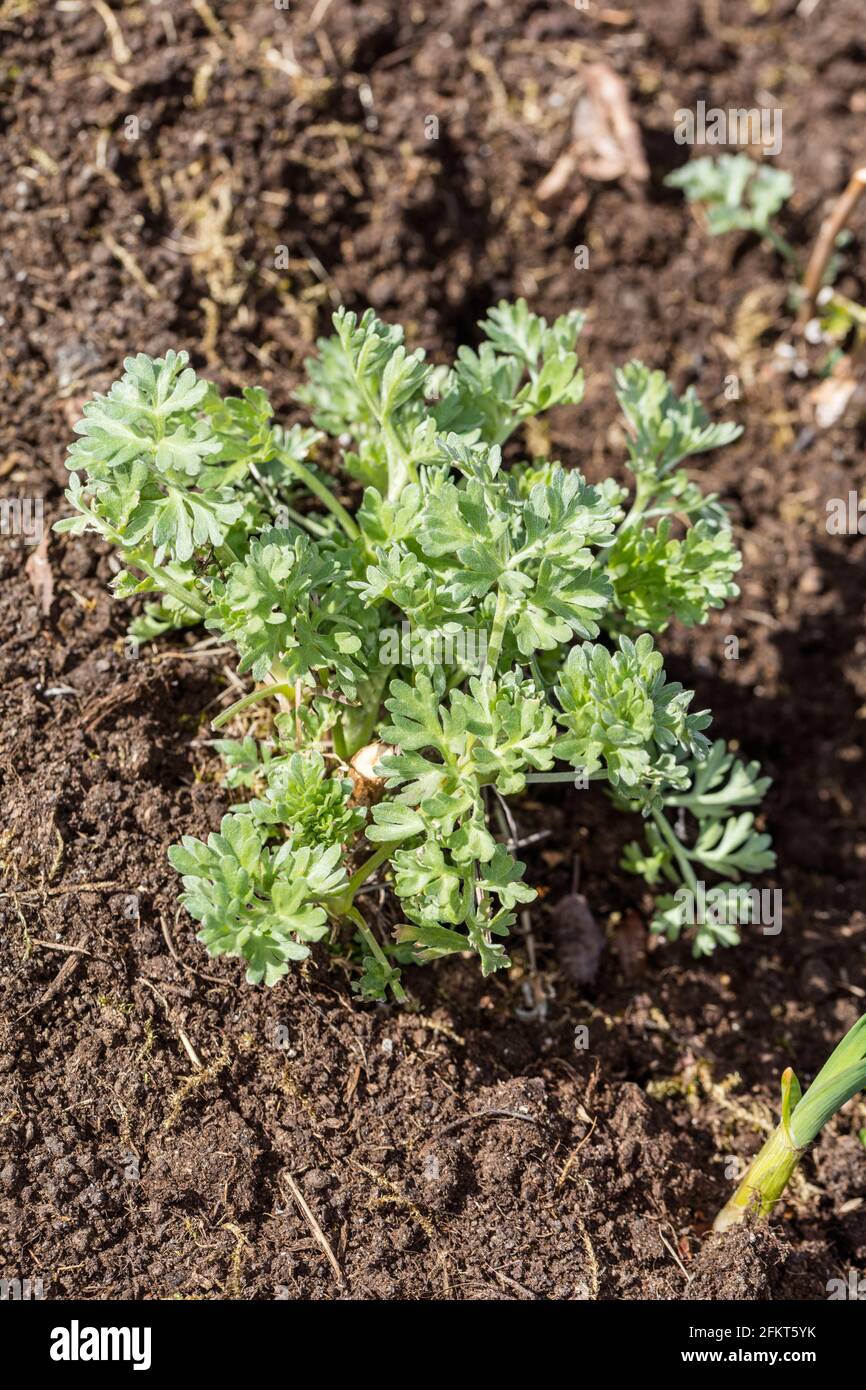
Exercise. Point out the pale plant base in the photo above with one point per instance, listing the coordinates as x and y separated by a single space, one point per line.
764 1181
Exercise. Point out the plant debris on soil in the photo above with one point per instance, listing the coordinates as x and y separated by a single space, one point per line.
219 177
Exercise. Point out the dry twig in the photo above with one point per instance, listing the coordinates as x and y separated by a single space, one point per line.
318 1234
830 229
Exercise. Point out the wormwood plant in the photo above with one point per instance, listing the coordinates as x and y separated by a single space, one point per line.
803 1118
222 517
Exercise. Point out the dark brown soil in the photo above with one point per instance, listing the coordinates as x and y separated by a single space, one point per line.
463 1148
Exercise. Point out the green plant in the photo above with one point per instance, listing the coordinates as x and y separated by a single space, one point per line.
503 577
737 194
804 1115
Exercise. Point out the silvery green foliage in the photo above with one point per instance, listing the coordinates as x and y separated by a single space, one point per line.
254 901
146 448
288 601
625 718
736 192
716 791
225 519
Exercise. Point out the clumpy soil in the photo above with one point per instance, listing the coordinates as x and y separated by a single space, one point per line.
159 1118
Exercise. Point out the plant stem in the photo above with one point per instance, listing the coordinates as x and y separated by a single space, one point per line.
645 486
764 1181
261 692
823 249
341 905
309 523
497 631
370 866
168 585
664 829
563 776
338 738
400 468
784 248
354 916
225 555
324 494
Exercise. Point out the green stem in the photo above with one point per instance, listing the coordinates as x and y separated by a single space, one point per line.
664 829
324 494
370 866
764 1181
645 488
497 631
309 523
536 672
226 555
341 905
689 799
168 585
400 468
354 916
507 428
338 737
784 248
562 776
261 692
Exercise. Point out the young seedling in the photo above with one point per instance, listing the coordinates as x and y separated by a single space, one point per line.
737 194
803 1118
454 614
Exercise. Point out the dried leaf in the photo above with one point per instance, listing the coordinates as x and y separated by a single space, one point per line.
606 138
564 175
368 788
39 572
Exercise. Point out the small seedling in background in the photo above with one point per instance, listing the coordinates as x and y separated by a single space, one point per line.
803 1118
737 195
